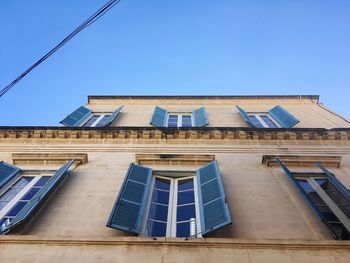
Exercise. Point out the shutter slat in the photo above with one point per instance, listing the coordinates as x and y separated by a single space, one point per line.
200 117
129 207
76 117
283 117
113 116
38 199
159 117
245 116
7 173
212 201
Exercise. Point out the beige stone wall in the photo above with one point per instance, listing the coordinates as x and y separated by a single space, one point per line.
221 113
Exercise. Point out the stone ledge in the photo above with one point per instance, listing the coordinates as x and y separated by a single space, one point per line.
301 160
48 158
174 159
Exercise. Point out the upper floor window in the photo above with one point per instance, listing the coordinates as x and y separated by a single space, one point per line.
327 196
277 117
22 192
163 118
159 204
179 120
87 118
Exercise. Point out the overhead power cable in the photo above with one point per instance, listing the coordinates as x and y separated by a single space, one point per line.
99 13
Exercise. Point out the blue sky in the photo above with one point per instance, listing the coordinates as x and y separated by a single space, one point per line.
233 47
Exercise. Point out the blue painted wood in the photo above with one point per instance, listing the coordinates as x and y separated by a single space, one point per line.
38 199
245 116
76 117
283 117
7 173
113 116
159 117
128 210
214 211
200 118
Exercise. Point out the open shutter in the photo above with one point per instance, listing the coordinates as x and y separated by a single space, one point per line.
159 117
38 199
76 117
129 207
245 116
7 172
283 117
113 116
212 201
200 118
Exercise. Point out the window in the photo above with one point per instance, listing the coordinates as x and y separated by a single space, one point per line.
179 120
158 204
97 120
327 196
263 120
24 192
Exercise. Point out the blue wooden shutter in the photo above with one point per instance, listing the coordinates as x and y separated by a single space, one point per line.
7 172
200 118
76 117
212 201
245 116
159 117
283 117
113 116
38 199
129 207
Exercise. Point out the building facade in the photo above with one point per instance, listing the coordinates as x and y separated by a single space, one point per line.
179 179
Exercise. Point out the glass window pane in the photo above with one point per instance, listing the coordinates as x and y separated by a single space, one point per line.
43 180
186 121
102 122
255 121
161 197
185 184
183 229
185 212
186 197
158 212
306 186
21 183
268 121
160 183
91 120
172 121
156 229
18 207
29 195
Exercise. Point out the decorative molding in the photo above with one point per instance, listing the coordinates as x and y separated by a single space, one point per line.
152 135
174 159
302 160
48 158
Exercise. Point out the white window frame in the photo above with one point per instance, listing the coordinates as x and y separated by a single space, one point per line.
179 118
262 122
172 206
102 114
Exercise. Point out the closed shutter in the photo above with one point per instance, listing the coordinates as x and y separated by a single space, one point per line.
212 201
283 117
159 117
76 117
200 117
38 199
7 172
129 207
113 116
245 116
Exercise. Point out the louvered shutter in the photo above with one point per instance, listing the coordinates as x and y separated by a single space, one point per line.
129 207
76 117
245 116
113 116
7 172
283 117
212 201
38 199
159 117
200 117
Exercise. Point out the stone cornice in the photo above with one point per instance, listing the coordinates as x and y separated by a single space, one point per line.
151 134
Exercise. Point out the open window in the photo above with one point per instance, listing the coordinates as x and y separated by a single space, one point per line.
87 118
277 117
171 204
327 196
164 118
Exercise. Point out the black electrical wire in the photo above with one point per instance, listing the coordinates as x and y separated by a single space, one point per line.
99 13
